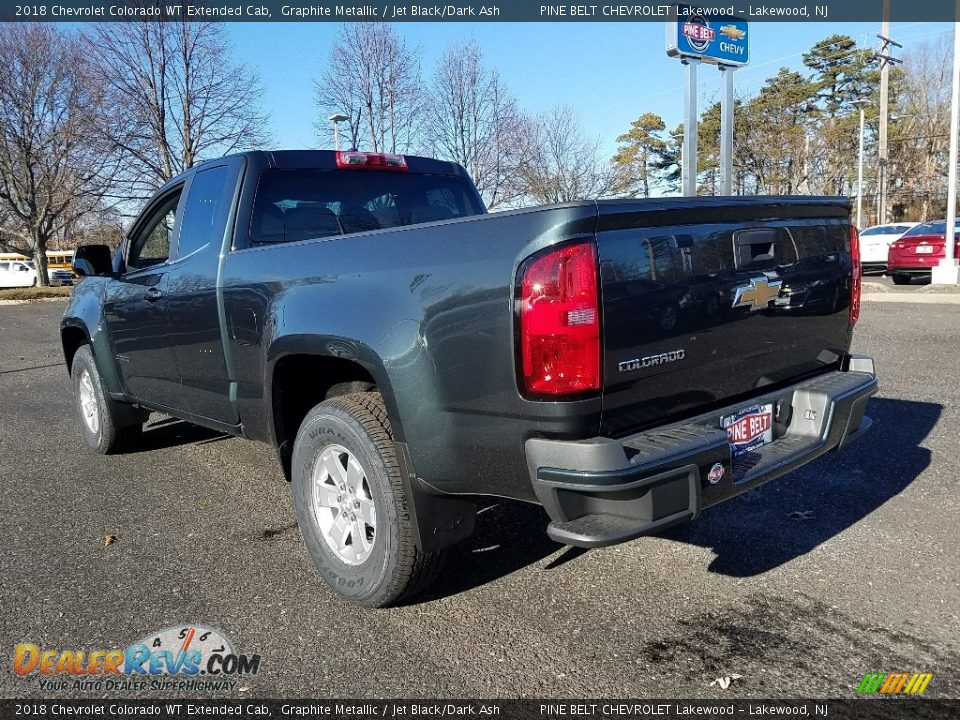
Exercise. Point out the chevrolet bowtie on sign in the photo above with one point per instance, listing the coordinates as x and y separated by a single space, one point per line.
758 294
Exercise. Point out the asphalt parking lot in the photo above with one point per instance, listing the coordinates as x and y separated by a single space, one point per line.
850 565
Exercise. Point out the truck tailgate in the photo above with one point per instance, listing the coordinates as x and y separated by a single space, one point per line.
707 300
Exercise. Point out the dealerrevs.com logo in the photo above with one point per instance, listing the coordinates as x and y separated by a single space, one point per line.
896 683
182 657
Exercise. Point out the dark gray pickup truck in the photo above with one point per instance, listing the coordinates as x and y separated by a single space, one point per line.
626 364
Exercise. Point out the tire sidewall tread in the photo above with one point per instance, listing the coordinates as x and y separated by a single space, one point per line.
111 437
395 568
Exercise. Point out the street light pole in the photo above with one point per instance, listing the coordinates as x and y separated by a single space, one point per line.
336 119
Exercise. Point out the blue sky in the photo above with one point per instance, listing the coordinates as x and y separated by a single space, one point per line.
609 72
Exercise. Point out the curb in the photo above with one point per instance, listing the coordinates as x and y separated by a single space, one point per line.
918 298
34 300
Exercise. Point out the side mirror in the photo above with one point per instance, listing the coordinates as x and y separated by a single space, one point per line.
89 260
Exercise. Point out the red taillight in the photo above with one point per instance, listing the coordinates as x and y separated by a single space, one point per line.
560 322
855 277
352 160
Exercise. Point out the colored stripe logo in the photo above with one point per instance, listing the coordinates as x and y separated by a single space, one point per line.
894 683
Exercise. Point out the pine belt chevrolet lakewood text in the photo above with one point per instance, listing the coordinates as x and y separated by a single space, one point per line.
626 364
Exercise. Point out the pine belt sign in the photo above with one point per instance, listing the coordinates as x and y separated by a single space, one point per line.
699 33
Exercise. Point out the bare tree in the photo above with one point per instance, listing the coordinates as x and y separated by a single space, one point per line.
53 168
920 134
560 164
473 120
374 79
176 97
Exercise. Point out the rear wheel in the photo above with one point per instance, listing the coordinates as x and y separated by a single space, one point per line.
351 507
103 424
900 279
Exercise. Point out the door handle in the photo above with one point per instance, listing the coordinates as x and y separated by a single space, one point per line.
756 246
153 295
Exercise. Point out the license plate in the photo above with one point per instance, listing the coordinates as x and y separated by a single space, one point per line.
749 428
921 249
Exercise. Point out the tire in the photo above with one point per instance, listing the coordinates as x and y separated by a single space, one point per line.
900 279
101 419
345 474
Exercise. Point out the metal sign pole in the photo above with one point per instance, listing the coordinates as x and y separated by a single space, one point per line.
689 159
694 36
947 272
726 132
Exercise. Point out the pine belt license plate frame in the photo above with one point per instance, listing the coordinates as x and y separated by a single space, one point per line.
749 428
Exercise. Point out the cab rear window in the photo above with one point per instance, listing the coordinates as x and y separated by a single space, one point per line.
303 204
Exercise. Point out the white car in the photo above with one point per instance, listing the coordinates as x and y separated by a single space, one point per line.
876 240
17 274
23 273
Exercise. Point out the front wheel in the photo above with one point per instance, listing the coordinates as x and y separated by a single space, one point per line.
103 424
351 507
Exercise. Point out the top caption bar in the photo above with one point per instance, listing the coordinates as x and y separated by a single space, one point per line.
827 11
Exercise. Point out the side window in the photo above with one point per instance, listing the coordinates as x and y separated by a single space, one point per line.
205 212
4 267
151 246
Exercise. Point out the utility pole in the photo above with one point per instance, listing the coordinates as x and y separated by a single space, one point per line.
886 60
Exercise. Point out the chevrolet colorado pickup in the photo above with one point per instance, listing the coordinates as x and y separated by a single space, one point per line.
626 364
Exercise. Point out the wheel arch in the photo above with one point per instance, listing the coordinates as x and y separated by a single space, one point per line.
304 373
73 336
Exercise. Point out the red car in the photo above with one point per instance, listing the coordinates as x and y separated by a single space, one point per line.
918 250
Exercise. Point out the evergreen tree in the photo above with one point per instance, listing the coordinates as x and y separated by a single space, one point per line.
638 150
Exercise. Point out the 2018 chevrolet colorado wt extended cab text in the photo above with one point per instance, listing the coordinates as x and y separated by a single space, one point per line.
626 364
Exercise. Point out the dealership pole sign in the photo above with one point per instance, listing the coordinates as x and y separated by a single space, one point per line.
717 39
698 35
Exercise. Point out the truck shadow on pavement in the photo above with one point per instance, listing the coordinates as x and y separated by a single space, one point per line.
792 515
168 432
750 534
509 535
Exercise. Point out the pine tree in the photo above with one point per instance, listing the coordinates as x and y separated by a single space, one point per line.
638 149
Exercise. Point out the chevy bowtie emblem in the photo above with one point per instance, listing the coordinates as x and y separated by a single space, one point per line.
758 294
732 32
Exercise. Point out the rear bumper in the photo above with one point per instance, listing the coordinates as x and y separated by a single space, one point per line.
603 491
873 255
910 269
